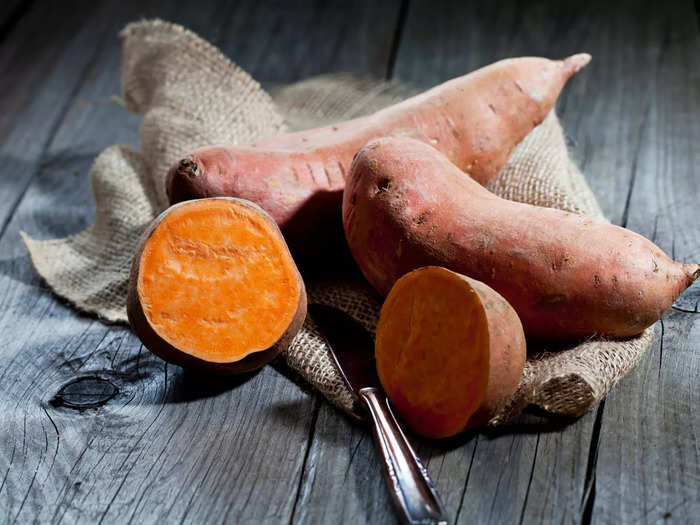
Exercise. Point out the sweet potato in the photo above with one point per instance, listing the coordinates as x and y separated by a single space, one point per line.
450 351
567 276
213 286
476 120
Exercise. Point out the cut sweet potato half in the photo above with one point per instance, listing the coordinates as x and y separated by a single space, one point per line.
450 351
213 286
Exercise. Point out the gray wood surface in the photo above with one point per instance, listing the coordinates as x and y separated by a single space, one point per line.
93 428
648 467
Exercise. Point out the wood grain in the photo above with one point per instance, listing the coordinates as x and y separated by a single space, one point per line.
648 468
30 59
282 42
93 428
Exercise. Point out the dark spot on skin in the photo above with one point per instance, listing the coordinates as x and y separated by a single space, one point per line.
383 184
422 218
567 261
554 299
654 265
492 108
334 128
450 236
596 281
353 199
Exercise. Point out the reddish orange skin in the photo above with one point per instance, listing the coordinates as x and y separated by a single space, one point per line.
567 276
477 120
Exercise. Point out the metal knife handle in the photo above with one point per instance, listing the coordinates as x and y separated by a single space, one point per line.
411 488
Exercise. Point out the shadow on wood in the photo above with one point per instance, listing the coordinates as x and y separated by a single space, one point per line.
189 385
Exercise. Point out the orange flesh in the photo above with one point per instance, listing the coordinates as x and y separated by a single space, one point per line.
432 351
216 281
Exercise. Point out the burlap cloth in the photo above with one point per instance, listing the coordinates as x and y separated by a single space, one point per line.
190 95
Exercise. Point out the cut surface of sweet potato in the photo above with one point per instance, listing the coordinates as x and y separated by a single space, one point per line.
215 281
436 351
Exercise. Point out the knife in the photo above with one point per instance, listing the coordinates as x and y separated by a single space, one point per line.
411 489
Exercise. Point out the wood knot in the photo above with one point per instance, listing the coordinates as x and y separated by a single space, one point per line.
84 392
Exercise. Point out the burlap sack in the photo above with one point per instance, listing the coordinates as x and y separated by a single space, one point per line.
190 95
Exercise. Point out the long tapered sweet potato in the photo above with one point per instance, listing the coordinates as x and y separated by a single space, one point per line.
213 286
476 120
450 351
567 276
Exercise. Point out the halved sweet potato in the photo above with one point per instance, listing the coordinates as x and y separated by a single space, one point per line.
213 286
450 351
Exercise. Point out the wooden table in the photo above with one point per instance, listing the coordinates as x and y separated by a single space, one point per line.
162 445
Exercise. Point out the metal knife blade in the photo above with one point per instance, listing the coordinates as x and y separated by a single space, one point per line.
351 346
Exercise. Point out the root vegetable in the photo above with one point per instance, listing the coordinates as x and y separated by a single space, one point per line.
450 351
213 286
567 276
476 120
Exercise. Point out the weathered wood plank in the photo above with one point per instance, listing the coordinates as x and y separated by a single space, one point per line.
295 40
343 481
648 467
52 45
167 444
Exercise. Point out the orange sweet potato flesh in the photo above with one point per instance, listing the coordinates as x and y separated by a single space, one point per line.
213 286
476 120
450 351
567 276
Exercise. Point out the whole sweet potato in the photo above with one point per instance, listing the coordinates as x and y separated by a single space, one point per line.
476 120
567 276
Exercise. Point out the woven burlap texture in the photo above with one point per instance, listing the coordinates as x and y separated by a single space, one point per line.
191 95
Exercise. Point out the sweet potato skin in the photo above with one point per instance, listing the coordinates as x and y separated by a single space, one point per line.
504 347
477 120
567 276
507 352
160 347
